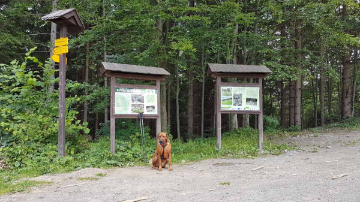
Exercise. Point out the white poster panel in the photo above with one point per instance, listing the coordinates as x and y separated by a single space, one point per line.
134 101
240 98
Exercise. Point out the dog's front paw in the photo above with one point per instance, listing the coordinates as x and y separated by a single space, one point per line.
170 169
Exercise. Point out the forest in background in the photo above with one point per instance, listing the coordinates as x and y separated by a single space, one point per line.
312 48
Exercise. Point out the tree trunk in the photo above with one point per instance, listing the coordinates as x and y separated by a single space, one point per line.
105 79
177 103
329 95
190 109
284 106
202 92
292 104
346 87
86 80
52 45
322 88
233 117
298 84
354 84
316 100
346 79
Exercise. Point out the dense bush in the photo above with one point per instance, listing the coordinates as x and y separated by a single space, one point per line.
28 114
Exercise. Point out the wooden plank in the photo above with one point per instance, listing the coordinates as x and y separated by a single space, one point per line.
62 104
238 75
240 84
239 112
112 118
158 120
135 86
218 113
147 77
135 116
260 122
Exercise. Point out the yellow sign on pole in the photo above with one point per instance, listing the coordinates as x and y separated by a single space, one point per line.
60 50
56 58
62 41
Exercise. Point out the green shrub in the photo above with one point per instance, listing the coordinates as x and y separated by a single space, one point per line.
28 115
271 124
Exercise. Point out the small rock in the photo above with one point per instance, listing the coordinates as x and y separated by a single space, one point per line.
329 147
183 161
294 174
211 190
290 154
285 150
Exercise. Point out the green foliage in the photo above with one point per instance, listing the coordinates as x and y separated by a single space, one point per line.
271 124
28 115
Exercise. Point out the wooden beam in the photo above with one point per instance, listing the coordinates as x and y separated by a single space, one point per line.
158 120
240 84
112 118
239 112
218 112
238 75
147 77
135 86
62 90
135 116
260 122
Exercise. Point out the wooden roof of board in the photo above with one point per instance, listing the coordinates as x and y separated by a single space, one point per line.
244 69
68 17
133 69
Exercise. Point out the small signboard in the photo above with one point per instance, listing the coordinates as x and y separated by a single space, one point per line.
134 101
56 58
60 50
240 98
62 41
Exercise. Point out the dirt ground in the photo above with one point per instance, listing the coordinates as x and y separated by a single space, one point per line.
325 167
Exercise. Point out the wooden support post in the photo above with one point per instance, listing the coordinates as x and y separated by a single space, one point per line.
158 119
218 113
62 86
260 122
112 118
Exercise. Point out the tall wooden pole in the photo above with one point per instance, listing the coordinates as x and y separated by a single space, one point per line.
260 120
112 118
158 119
62 84
218 114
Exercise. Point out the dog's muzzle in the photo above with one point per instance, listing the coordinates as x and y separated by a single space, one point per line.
161 142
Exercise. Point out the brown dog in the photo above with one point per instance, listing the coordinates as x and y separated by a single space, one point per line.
162 154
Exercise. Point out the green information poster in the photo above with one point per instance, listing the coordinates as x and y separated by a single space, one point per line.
134 101
240 98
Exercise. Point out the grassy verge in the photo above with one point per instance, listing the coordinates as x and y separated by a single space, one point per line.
7 187
239 143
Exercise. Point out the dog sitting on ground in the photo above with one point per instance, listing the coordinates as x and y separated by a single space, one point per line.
162 154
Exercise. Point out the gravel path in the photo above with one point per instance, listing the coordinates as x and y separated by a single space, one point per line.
306 174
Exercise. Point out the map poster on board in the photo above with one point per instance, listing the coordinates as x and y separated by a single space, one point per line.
134 101
240 98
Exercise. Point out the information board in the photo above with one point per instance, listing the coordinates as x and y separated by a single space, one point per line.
134 101
240 98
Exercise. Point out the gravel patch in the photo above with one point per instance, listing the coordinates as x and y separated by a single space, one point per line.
324 167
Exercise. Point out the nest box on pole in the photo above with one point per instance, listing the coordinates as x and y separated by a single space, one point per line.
69 22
